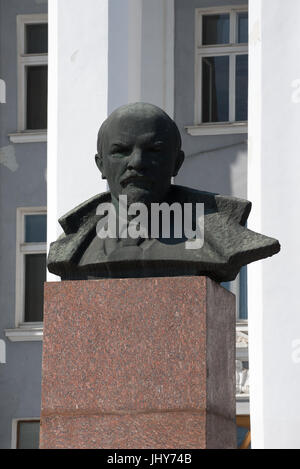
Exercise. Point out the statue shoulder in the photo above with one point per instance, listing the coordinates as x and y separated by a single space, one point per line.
71 221
236 209
77 224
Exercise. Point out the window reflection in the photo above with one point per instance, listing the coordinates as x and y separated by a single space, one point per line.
242 27
35 228
243 432
37 38
215 92
28 432
37 85
241 88
215 29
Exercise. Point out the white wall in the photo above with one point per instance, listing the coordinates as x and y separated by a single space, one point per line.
78 62
157 61
274 170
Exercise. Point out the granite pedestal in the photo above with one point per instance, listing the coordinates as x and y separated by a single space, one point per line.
138 363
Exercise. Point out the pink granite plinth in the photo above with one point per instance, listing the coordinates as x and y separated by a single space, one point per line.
138 363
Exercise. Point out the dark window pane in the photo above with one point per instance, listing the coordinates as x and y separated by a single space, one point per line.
28 435
242 434
215 29
35 228
37 38
243 27
37 83
243 294
35 276
241 88
215 89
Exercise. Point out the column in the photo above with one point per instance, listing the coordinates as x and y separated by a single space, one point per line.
273 187
78 95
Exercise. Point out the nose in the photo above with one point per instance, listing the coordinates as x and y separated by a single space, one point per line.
137 160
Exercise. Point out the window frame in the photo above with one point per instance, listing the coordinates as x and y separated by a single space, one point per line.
22 249
233 49
15 429
25 60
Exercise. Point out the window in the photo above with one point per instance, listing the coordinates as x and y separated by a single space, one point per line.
32 72
26 434
243 295
31 265
239 288
243 432
222 68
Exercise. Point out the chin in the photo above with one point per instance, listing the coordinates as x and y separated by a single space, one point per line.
145 195
139 195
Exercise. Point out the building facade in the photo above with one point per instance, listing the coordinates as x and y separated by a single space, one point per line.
23 200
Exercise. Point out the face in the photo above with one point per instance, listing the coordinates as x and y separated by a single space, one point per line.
139 156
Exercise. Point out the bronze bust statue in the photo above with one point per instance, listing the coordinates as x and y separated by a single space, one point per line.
139 151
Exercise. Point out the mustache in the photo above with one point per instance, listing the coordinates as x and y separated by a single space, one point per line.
134 177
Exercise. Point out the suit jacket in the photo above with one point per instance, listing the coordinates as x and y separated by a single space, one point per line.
228 245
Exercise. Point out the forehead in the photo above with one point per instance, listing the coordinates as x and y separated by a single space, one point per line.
137 126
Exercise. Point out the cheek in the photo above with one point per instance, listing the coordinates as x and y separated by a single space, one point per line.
165 174
115 169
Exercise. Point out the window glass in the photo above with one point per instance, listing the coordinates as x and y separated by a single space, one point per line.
36 38
242 19
37 84
35 228
215 89
35 276
28 435
241 88
242 436
243 432
215 29
243 309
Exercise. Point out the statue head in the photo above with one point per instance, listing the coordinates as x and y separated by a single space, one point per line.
139 151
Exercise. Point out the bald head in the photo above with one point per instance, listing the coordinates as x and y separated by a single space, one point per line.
139 150
146 113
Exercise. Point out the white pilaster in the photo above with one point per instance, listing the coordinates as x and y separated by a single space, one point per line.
273 187
157 63
135 50
78 96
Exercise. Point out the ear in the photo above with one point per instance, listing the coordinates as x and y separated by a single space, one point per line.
178 162
99 163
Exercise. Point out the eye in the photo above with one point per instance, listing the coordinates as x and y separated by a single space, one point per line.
120 149
156 148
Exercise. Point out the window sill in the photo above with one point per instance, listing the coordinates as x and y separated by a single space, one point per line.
25 333
217 129
242 397
242 324
242 354
242 340
28 137
242 405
